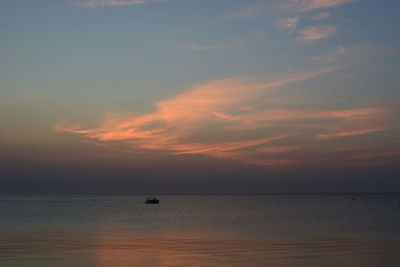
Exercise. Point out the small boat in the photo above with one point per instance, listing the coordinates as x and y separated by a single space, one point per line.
152 200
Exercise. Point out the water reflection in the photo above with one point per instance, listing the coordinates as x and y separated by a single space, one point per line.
208 251
68 231
133 249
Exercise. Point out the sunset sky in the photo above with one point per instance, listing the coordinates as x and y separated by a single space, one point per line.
199 96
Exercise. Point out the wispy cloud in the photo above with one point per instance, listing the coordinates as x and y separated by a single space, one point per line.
289 24
97 3
349 133
315 33
322 15
286 7
237 128
348 53
257 118
306 5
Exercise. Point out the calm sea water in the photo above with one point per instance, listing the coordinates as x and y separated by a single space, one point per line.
189 230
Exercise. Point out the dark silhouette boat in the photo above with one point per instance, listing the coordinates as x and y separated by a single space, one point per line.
152 200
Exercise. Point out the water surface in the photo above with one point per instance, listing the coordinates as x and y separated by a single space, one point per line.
193 230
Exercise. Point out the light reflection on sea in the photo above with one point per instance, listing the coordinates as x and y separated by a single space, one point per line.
119 230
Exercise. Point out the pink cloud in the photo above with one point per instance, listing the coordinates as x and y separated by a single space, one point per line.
306 5
267 136
315 33
286 7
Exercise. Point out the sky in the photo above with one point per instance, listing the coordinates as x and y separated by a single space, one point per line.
189 96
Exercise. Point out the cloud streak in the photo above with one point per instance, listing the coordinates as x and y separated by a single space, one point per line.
286 7
306 5
315 33
349 133
220 119
349 53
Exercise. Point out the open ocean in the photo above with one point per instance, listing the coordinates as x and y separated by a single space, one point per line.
81 230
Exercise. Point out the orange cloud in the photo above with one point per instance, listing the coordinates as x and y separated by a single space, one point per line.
237 130
348 133
258 119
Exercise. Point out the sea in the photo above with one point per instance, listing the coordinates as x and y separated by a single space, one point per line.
111 230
